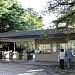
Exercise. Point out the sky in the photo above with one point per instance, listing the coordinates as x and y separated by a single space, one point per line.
38 6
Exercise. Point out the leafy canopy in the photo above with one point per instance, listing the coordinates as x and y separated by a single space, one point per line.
14 18
65 10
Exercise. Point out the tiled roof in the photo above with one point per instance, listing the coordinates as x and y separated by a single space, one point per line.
22 33
33 34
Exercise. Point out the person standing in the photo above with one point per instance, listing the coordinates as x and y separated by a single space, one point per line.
61 58
68 55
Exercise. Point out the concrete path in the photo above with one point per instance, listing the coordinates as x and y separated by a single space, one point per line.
20 69
23 67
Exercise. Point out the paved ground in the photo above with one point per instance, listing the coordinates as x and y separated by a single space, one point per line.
14 68
19 69
33 68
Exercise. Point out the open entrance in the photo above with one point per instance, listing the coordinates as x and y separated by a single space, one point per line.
21 50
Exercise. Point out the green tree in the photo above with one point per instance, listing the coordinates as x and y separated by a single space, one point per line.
65 10
4 5
17 19
34 21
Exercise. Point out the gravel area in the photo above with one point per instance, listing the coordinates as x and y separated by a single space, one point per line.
21 69
11 68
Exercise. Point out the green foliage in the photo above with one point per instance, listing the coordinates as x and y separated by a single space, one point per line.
47 35
4 5
25 45
32 19
65 10
14 18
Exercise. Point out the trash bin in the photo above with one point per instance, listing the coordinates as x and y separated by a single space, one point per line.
20 55
0 55
29 56
8 55
3 55
25 56
15 55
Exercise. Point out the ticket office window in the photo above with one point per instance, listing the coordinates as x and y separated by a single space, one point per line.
62 46
44 48
71 45
54 47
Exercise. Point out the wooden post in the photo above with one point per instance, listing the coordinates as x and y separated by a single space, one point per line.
14 46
